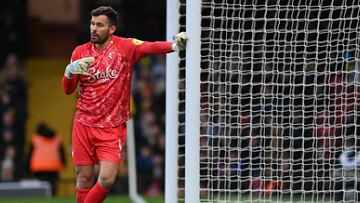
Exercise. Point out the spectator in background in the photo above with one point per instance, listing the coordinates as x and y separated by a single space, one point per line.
7 140
8 167
347 177
9 153
350 157
14 76
156 186
159 66
145 166
9 126
46 155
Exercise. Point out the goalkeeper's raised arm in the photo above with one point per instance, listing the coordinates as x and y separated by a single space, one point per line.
103 68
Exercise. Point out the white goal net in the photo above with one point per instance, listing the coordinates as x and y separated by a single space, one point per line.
279 100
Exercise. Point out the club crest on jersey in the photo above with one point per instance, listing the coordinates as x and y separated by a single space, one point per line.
137 42
102 76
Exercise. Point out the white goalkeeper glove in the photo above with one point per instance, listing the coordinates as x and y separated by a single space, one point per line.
79 66
180 41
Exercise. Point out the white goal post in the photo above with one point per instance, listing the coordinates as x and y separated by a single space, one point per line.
263 106
131 152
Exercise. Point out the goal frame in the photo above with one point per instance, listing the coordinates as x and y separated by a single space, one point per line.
192 104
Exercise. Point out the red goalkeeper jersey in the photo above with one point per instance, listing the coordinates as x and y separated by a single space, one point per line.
104 95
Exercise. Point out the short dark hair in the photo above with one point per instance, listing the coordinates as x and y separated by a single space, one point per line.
108 12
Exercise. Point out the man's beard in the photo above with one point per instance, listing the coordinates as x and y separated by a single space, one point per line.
99 40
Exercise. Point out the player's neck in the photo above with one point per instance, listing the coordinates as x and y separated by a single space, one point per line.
103 45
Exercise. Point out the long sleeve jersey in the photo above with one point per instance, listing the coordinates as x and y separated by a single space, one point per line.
104 95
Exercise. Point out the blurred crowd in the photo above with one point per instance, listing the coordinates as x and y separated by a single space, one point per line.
277 128
149 100
13 89
13 114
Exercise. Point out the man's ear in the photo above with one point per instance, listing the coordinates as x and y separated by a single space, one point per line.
112 29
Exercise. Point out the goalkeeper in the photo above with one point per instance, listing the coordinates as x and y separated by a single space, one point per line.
103 68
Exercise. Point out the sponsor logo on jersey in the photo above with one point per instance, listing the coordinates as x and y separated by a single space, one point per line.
102 76
137 42
111 55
